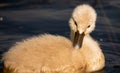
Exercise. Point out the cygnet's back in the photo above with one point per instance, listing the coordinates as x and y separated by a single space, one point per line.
44 54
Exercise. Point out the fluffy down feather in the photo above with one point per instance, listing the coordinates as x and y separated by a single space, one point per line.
44 54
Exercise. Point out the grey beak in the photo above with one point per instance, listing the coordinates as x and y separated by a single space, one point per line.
78 39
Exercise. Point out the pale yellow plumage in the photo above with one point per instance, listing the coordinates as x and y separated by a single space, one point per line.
83 20
43 54
56 54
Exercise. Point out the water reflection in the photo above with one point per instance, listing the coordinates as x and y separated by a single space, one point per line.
101 71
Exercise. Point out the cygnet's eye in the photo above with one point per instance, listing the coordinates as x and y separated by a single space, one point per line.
88 26
74 21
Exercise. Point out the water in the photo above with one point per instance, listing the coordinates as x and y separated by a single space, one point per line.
23 22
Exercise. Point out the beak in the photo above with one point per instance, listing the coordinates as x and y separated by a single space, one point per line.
78 39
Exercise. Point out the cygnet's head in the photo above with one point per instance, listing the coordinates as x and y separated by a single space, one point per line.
82 22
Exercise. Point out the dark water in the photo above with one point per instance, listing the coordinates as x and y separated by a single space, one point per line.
18 23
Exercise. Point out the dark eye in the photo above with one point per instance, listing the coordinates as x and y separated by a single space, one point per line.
88 26
74 21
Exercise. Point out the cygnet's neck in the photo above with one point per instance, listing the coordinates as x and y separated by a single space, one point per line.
92 54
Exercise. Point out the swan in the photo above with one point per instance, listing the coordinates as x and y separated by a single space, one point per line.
82 23
44 54
48 53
